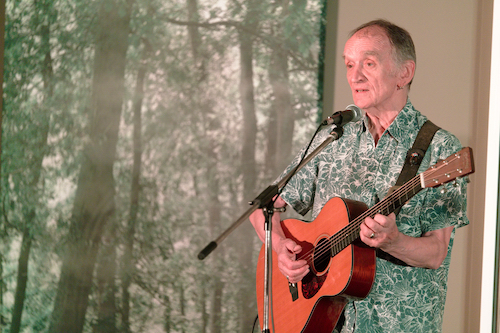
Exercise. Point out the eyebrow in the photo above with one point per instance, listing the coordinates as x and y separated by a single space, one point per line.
367 53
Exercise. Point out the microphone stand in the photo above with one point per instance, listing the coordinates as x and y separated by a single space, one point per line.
265 202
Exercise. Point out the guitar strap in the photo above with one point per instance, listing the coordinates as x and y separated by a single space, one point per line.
416 154
414 157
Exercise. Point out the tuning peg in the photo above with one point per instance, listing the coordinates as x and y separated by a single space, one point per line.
455 183
443 190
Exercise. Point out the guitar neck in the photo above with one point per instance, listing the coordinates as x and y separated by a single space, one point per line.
389 204
456 165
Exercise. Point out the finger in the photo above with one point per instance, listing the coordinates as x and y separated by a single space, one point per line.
293 269
366 231
294 275
380 220
290 262
383 220
296 278
279 202
292 248
371 223
295 249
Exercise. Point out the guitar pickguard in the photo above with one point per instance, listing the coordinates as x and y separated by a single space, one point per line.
311 284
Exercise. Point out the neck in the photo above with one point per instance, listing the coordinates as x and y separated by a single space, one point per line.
378 123
380 119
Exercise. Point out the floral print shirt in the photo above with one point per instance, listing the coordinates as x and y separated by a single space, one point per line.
402 298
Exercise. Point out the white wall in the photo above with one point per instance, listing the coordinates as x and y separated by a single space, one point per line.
452 39
490 254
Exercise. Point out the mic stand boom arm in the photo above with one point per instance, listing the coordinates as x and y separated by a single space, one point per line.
266 196
265 201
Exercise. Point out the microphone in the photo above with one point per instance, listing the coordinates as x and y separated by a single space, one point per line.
340 118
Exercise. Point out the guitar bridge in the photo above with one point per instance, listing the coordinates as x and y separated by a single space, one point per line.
294 291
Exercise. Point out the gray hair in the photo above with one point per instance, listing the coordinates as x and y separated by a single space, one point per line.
401 41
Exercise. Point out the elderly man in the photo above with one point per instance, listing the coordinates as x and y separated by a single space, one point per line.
409 287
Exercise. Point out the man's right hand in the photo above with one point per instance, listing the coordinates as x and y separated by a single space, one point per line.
293 269
286 249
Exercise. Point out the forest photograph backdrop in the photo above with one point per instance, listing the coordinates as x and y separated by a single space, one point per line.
134 132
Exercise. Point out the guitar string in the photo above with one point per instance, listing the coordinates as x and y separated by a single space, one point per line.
354 226
348 229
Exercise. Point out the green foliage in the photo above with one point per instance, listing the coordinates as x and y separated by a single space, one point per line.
191 127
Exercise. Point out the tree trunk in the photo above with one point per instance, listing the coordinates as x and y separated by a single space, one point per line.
94 198
36 165
182 306
106 286
246 300
203 308
2 317
248 164
22 280
282 105
214 204
214 217
127 260
216 317
168 315
283 109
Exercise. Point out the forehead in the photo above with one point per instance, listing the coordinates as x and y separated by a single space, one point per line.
368 41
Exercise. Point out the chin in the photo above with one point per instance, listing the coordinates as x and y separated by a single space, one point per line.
361 104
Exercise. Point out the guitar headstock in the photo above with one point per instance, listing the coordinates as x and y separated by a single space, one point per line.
457 165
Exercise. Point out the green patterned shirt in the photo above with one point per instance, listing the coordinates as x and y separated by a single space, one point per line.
402 299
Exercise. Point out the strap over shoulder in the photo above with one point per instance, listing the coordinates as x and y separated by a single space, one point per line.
416 154
414 157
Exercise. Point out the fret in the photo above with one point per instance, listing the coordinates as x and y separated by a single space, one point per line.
432 177
392 202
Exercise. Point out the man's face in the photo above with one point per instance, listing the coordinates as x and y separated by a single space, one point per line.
371 70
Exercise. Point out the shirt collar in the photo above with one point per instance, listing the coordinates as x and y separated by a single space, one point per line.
405 122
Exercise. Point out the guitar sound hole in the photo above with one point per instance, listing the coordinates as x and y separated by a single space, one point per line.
321 257
312 282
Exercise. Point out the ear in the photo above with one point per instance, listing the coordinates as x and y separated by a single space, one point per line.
407 72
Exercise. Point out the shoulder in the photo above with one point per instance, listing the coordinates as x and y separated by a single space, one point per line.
446 138
443 145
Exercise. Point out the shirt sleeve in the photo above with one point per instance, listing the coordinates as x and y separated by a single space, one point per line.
445 205
299 192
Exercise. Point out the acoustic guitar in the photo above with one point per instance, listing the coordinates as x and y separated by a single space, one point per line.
341 266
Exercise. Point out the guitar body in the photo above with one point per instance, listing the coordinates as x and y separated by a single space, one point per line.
321 296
